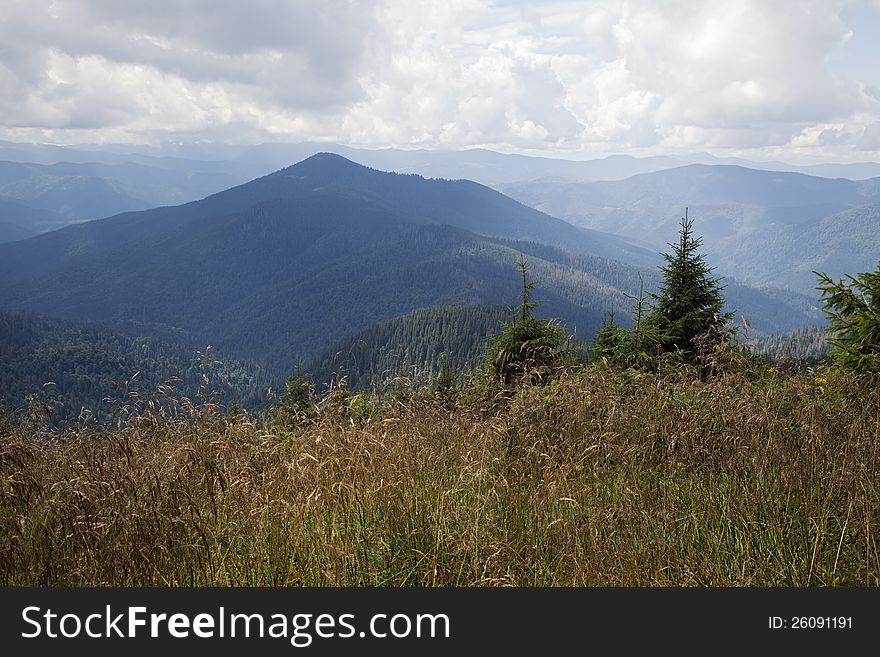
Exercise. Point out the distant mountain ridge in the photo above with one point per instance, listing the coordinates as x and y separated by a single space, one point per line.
287 263
457 203
766 228
479 164
18 220
70 192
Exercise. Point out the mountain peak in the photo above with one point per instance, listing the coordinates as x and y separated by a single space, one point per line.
325 163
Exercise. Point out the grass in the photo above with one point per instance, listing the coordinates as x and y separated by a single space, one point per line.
601 478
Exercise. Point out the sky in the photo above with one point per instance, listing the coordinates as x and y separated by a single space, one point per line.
766 79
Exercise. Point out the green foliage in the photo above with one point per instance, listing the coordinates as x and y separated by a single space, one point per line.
611 342
89 364
300 393
444 384
299 399
416 346
689 303
686 318
529 349
854 310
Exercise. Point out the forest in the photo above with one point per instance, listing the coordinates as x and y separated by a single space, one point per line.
71 368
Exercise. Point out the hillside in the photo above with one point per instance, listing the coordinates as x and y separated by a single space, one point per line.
765 228
10 232
604 478
283 266
462 204
806 346
459 203
283 281
412 346
19 220
91 190
84 363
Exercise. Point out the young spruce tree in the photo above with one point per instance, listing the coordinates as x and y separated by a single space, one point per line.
854 311
689 302
529 348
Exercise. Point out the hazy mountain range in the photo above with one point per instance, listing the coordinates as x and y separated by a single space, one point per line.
35 198
481 165
765 228
67 184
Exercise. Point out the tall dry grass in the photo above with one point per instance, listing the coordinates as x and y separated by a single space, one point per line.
601 478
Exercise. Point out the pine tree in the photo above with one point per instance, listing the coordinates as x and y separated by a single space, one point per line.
689 302
854 311
611 343
528 348
444 383
300 394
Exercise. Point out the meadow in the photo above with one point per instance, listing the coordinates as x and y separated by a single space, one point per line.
603 477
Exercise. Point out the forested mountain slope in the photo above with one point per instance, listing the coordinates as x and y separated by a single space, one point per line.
85 363
412 346
762 227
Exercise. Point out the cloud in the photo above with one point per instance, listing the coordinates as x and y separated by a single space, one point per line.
738 75
560 76
78 64
870 138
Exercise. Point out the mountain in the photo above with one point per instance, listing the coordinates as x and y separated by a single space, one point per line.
488 167
462 204
765 228
19 220
286 265
79 191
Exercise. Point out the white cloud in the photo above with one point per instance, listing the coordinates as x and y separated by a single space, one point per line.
870 138
738 75
561 76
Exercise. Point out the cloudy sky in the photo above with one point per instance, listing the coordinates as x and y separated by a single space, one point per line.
795 79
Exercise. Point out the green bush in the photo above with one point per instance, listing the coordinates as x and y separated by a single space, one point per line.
854 310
